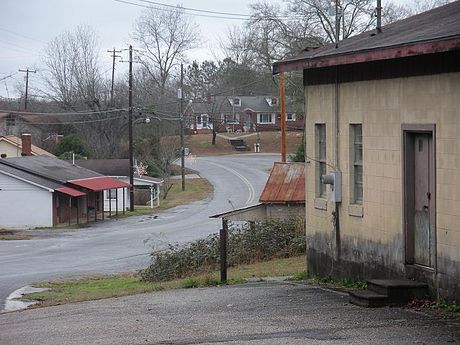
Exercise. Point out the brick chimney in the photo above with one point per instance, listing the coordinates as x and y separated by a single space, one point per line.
26 144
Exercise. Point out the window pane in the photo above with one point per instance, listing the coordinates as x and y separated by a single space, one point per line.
357 155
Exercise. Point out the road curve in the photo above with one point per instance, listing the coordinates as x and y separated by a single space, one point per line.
124 245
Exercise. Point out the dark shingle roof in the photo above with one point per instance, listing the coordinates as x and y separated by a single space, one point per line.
23 175
222 105
51 167
439 24
108 167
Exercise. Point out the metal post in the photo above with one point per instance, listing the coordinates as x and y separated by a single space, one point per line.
130 129
283 117
223 251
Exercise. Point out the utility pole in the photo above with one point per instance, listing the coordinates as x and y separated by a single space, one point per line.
27 71
337 23
130 130
113 72
182 148
379 16
283 116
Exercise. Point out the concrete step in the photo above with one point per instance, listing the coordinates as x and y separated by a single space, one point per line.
388 292
399 291
367 298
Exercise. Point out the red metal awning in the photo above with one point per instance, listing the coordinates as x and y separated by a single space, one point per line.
70 191
100 183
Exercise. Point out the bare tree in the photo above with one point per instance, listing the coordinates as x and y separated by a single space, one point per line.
163 38
73 76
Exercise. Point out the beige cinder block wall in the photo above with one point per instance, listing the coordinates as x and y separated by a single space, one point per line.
372 241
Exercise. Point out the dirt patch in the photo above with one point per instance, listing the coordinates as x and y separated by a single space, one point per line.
11 235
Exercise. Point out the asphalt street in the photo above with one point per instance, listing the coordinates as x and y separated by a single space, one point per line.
262 313
125 244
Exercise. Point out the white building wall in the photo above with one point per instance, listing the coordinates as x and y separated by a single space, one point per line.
23 205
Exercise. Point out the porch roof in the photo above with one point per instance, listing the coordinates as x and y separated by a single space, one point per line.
99 183
70 191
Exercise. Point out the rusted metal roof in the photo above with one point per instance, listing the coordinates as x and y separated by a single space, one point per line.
434 31
99 183
70 191
286 184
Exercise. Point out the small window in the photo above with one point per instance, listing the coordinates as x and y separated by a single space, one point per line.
112 194
320 134
198 119
274 101
290 117
236 102
266 118
204 120
357 159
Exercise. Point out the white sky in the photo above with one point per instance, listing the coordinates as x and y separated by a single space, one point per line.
27 25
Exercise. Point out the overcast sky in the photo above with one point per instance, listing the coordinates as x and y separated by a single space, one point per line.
27 25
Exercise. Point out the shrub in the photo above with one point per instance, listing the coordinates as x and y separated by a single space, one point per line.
248 243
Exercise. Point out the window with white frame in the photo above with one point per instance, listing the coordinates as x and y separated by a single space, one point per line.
236 102
356 132
290 117
265 118
320 138
232 118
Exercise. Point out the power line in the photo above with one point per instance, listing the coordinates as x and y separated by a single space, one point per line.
9 76
75 122
195 9
171 10
95 112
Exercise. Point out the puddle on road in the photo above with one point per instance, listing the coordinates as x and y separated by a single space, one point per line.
13 302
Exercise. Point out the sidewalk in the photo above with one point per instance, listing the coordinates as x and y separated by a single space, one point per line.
262 313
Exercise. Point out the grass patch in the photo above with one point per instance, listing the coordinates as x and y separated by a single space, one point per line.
450 309
337 283
98 287
195 189
200 144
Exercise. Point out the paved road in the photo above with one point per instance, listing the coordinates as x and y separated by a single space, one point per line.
124 245
247 314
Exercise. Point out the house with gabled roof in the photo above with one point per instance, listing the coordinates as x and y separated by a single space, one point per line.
12 146
383 129
240 113
43 191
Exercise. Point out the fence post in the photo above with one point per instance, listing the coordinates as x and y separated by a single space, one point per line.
223 251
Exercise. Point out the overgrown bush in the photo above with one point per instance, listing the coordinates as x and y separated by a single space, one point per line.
249 243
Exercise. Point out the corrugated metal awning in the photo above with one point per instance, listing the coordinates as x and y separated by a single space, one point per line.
70 191
100 183
286 184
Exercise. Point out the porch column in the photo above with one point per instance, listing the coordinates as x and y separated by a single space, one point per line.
109 197
103 205
124 198
70 208
116 202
